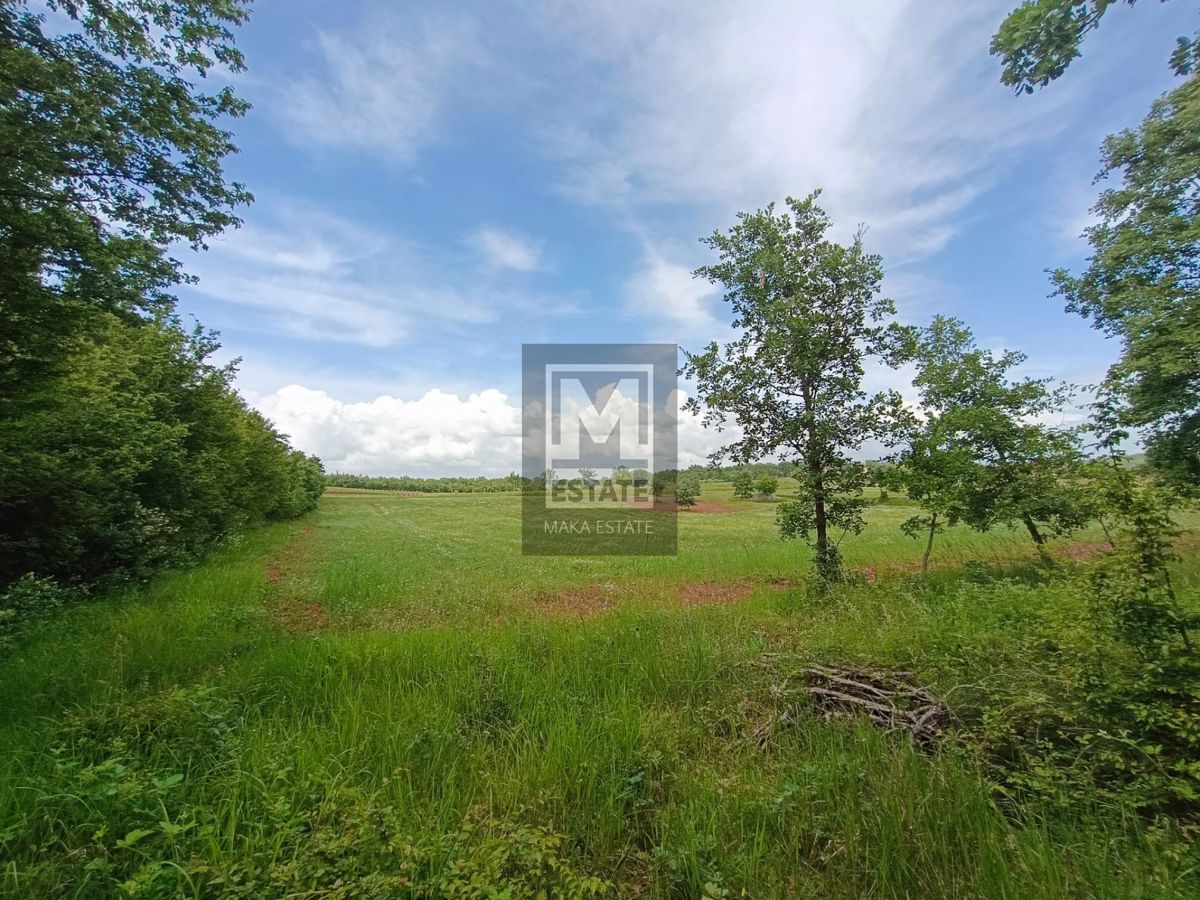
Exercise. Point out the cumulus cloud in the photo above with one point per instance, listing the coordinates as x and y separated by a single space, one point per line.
436 434
506 249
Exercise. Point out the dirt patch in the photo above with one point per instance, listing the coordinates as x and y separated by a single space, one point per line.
1085 551
294 615
704 593
583 602
703 507
297 616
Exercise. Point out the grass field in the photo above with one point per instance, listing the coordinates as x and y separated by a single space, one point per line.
387 699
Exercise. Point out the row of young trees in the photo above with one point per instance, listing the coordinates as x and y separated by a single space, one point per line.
980 450
984 448
122 447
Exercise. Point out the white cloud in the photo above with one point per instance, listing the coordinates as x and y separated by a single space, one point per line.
893 107
668 291
439 433
383 88
303 271
507 250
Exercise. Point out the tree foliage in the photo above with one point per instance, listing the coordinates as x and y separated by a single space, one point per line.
1039 39
1142 283
766 485
121 446
687 489
138 454
743 483
982 455
810 316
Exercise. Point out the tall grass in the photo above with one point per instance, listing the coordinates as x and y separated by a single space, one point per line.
440 728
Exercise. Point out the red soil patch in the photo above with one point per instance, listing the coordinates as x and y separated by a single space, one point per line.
707 507
703 507
296 616
292 614
705 593
582 602
1085 551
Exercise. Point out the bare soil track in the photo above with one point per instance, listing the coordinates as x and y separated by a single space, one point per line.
289 613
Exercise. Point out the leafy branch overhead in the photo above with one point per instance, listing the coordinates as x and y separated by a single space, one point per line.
1142 282
1040 39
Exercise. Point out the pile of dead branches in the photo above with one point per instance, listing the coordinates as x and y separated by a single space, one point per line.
893 701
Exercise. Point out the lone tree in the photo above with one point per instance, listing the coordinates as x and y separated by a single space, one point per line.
811 315
982 456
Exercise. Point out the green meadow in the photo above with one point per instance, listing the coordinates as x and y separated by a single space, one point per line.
386 699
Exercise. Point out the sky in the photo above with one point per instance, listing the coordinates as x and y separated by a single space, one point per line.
437 184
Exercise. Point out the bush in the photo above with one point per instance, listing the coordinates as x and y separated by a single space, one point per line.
743 484
29 598
134 453
687 490
1115 704
766 485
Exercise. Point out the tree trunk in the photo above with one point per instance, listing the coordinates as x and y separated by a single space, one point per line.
822 524
1033 531
829 566
929 543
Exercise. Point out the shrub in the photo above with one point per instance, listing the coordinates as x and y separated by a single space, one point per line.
1115 703
663 483
766 485
29 598
743 484
687 490
137 453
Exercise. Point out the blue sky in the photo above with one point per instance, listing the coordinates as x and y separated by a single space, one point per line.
438 183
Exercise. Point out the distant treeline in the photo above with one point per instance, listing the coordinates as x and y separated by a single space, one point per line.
727 473
512 482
